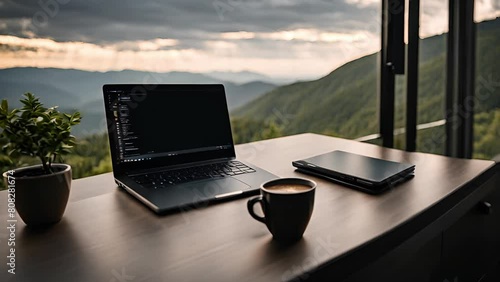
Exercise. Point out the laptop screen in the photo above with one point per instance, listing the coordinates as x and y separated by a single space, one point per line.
160 125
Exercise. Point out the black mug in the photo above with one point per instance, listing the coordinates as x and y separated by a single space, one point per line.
287 204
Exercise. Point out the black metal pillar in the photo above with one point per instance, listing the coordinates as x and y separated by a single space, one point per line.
392 62
412 75
460 79
386 94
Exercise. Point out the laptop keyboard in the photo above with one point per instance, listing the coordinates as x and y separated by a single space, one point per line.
171 177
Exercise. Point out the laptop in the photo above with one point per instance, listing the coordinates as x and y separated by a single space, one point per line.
172 147
367 174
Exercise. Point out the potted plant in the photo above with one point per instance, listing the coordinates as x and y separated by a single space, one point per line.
41 191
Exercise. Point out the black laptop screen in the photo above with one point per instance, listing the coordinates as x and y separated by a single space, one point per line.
168 124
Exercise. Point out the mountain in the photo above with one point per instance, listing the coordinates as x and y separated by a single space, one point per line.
239 95
344 102
327 105
82 90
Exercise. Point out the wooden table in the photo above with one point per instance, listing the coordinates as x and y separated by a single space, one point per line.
106 235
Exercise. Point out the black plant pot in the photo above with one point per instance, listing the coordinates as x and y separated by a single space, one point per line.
41 199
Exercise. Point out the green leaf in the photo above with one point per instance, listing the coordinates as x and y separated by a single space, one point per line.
5 106
11 152
34 130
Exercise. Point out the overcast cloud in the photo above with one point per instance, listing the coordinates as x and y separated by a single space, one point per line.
101 21
311 37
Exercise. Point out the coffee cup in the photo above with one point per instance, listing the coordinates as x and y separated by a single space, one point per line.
287 204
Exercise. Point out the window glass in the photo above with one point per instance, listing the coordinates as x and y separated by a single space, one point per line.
487 90
431 82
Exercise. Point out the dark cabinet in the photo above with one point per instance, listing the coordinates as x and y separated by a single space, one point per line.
471 246
418 266
468 249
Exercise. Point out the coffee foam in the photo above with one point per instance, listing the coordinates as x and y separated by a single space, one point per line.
286 188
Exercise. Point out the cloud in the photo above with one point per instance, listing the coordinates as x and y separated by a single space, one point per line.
363 3
306 37
238 35
433 17
146 45
98 21
297 59
192 21
6 48
125 34
486 9
312 35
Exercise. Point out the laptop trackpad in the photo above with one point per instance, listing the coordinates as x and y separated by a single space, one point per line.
204 190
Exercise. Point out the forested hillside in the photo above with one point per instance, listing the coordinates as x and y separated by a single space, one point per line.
344 103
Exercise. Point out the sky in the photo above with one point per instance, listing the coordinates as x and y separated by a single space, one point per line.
280 38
